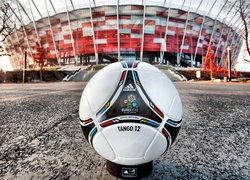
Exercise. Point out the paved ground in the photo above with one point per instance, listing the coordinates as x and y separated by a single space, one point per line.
41 136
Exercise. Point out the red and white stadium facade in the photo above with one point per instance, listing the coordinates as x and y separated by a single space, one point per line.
143 30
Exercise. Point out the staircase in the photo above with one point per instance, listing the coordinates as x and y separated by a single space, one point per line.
174 75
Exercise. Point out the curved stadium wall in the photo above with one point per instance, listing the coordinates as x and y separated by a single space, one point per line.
148 33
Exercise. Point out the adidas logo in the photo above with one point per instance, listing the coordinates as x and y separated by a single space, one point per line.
129 87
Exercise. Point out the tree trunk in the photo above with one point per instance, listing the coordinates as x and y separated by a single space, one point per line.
211 69
41 73
244 19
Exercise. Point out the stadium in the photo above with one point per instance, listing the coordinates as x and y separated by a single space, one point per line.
97 31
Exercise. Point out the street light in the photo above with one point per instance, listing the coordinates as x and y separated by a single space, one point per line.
229 62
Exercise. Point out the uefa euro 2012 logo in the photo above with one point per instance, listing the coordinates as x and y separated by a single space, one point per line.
131 104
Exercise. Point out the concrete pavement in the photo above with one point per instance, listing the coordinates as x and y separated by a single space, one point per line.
41 136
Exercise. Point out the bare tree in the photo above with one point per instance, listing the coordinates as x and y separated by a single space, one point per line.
7 23
242 8
40 57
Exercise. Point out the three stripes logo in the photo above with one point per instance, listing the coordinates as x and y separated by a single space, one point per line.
129 87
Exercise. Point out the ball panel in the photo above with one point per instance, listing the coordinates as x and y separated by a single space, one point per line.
102 86
173 131
102 146
158 87
143 66
84 109
128 140
175 111
87 129
157 147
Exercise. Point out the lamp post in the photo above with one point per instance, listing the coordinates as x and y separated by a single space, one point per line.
24 66
229 62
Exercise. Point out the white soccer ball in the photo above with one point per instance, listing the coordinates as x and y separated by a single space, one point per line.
130 112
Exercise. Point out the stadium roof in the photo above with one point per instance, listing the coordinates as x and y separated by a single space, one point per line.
38 9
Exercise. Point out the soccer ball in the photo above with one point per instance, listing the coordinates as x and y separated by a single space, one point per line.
130 112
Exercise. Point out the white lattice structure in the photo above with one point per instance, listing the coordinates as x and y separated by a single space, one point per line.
143 29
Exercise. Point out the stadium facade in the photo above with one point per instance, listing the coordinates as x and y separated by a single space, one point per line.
82 32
